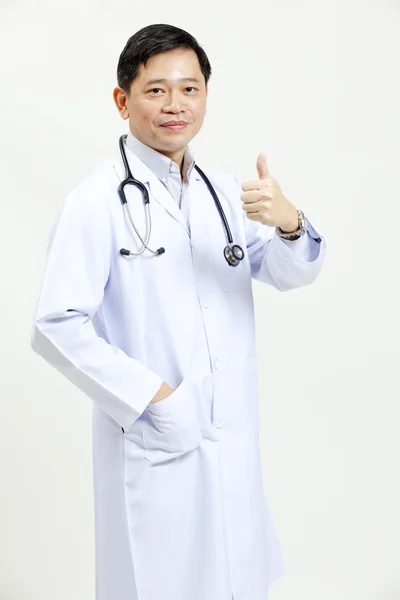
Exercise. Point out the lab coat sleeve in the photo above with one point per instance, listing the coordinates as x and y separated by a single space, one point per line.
76 273
283 264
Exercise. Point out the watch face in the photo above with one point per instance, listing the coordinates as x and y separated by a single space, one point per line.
302 221
294 235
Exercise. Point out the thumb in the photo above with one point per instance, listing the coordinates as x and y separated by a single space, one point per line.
262 166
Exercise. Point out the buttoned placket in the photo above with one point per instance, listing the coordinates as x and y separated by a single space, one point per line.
174 170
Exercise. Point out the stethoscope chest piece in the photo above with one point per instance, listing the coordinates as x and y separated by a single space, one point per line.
233 255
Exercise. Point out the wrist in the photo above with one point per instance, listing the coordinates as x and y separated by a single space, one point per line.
292 225
293 234
164 391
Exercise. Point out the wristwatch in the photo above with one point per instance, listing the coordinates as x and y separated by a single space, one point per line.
294 235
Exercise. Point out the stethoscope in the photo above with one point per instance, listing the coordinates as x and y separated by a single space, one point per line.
232 252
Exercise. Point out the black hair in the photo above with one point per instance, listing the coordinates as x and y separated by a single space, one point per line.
151 40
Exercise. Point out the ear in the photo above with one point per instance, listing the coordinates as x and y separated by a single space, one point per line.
120 99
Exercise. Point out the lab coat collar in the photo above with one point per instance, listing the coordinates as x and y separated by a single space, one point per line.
157 190
158 163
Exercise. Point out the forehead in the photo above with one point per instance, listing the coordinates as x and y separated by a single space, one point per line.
180 65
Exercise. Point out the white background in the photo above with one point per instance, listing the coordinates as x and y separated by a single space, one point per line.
314 85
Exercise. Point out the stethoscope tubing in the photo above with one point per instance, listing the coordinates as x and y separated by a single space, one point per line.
217 202
233 253
129 179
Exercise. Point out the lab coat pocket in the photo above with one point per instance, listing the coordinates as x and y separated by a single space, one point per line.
229 278
171 427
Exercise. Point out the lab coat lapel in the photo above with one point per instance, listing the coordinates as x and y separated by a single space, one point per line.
156 189
201 210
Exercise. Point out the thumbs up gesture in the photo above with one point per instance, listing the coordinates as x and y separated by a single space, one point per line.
263 200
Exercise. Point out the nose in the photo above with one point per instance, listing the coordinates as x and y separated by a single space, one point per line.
174 102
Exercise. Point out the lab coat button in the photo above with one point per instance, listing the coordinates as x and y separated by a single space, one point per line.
219 424
217 363
205 305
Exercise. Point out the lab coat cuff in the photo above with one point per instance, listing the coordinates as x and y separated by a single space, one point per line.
150 383
308 246
290 269
170 403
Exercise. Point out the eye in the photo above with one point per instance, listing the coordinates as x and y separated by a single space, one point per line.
188 88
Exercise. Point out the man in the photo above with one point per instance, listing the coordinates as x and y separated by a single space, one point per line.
179 503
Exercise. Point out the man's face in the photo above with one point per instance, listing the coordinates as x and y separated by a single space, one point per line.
150 104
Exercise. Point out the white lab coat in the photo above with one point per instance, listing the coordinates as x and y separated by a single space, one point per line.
180 511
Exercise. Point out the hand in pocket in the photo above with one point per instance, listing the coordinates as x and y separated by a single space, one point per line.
172 425
164 391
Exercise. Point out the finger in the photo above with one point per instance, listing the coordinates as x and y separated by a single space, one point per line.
254 184
262 168
250 197
251 207
253 216
256 196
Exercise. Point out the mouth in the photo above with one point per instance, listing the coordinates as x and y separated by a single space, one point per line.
175 126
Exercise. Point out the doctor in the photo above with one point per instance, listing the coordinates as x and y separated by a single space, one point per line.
180 511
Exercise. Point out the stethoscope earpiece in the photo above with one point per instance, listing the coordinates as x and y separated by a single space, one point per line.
233 253
125 252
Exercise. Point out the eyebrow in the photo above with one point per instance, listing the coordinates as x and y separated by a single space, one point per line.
187 79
